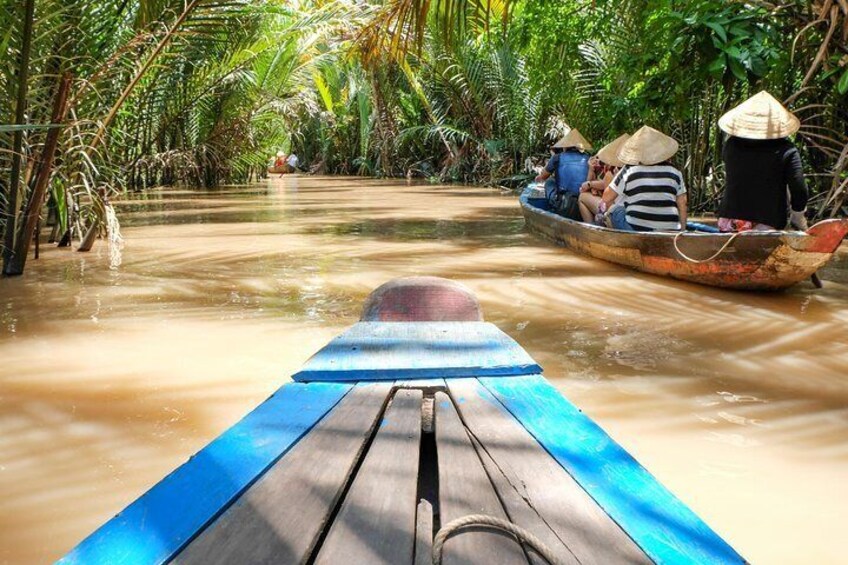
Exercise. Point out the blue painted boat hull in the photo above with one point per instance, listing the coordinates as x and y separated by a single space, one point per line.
159 524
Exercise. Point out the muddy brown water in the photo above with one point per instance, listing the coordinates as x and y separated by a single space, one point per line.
112 377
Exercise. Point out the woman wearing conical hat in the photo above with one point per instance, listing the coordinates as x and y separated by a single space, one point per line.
760 164
569 166
602 169
648 194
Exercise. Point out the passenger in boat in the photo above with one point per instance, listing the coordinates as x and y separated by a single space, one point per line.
567 169
281 160
602 169
648 192
765 178
292 162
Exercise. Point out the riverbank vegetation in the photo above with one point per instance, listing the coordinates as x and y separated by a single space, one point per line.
106 96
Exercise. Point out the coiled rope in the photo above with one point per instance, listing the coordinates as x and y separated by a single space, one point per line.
496 524
711 257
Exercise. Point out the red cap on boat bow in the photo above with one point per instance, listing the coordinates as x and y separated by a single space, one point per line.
422 299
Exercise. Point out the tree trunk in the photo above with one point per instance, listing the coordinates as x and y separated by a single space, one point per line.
42 180
20 107
90 237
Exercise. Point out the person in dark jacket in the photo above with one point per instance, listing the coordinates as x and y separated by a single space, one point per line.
765 177
567 169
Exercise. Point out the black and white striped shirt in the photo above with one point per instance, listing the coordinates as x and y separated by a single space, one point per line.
649 194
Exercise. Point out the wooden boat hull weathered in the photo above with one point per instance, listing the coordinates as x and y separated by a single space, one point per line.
753 261
419 415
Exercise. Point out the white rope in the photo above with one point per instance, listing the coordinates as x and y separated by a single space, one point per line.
491 522
711 257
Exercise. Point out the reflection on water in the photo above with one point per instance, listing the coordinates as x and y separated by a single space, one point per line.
112 377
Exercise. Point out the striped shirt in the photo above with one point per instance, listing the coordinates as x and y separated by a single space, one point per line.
649 194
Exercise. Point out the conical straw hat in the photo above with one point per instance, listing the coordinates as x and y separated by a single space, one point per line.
760 117
647 147
609 153
573 139
280 154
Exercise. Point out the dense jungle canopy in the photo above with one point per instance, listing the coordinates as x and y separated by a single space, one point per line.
106 96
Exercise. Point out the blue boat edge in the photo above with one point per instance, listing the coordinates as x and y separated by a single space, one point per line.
662 525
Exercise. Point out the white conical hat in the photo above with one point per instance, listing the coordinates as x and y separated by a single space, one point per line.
281 154
760 117
647 147
609 153
573 139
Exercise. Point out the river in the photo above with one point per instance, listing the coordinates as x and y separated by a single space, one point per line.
113 374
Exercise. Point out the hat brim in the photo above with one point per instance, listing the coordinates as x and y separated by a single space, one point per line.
738 126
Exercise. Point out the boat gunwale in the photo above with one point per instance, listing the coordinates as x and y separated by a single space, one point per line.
722 236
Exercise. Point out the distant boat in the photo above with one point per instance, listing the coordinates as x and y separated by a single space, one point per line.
421 419
283 169
753 260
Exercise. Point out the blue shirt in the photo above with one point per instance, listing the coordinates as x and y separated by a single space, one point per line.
570 168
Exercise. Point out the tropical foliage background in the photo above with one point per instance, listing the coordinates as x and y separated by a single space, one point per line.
105 96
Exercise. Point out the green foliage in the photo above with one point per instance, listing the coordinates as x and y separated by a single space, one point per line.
734 41
203 92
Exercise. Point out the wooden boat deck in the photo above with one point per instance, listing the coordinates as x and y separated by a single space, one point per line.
390 432
350 491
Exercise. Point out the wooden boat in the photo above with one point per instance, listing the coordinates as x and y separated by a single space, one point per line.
421 418
754 260
281 170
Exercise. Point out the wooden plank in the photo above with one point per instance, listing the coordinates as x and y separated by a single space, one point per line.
424 534
432 383
537 492
280 518
154 527
665 528
522 513
464 488
371 351
376 522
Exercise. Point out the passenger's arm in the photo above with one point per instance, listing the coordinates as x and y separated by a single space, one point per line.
549 169
590 174
682 202
606 180
794 172
609 196
614 188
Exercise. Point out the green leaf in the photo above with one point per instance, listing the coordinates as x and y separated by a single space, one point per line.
734 52
740 31
717 66
758 66
737 69
323 90
842 87
717 29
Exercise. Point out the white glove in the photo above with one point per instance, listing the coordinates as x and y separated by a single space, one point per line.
798 219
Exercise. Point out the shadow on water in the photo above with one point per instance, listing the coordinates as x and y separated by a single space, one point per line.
490 232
